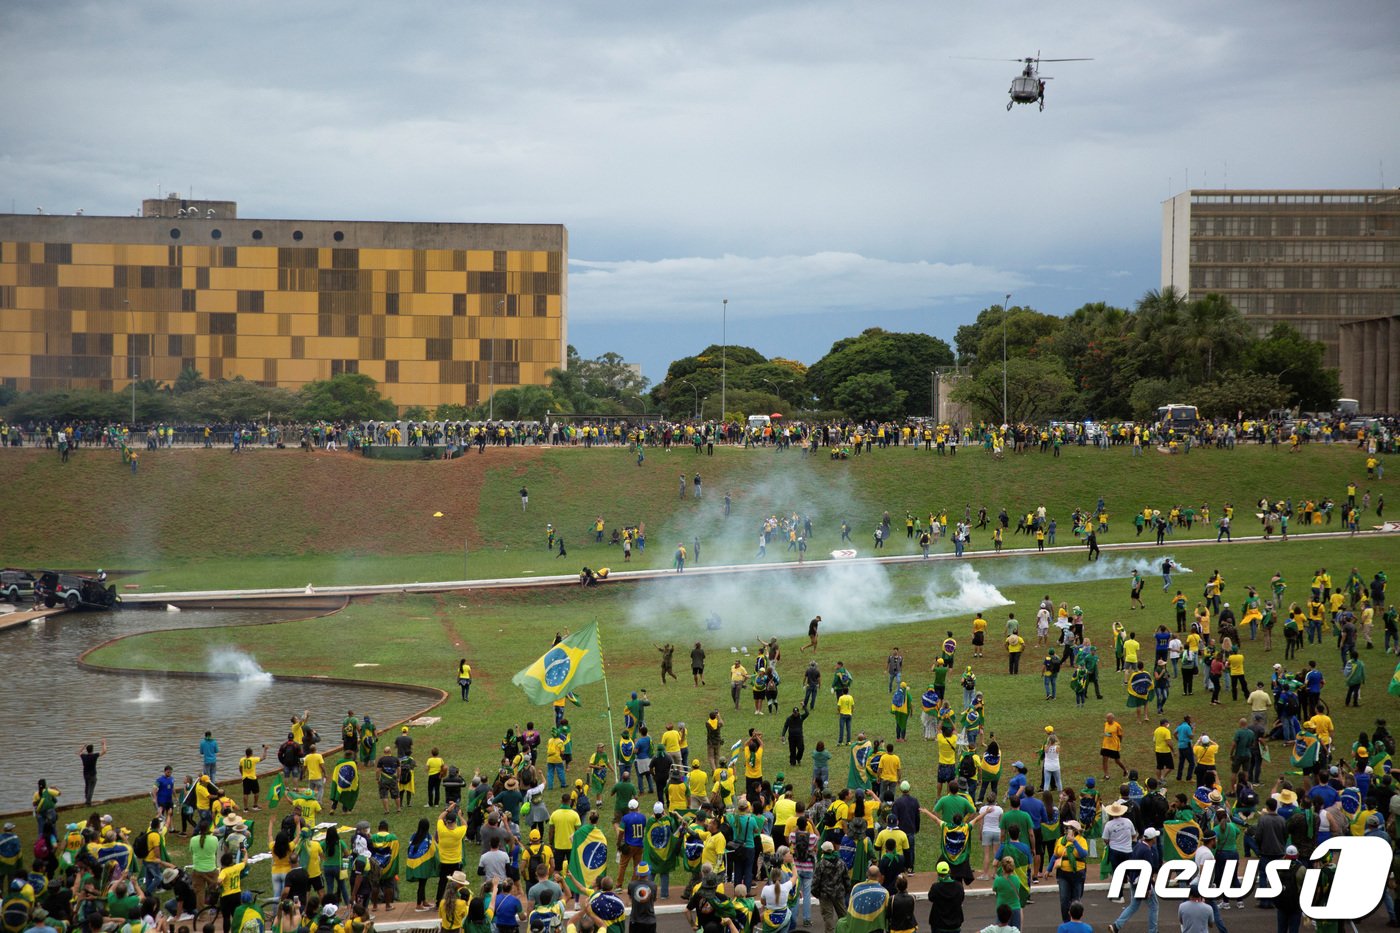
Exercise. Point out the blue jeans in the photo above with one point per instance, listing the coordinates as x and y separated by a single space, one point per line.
1132 908
894 679
1071 890
554 772
804 881
843 728
809 697
1049 680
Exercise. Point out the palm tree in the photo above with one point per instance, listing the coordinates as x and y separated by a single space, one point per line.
1215 328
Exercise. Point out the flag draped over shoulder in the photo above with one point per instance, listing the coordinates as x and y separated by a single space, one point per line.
1305 750
865 912
858 773
661 844
1394 688
588 860
1180 839
575 661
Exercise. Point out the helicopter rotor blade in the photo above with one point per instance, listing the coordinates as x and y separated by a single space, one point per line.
967 58
1064 59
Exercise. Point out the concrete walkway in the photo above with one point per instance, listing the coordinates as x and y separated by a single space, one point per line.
282 596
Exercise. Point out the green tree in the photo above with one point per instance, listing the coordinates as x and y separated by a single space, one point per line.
1249 394
346 397
236 400
909 358
189 380
1214 335
1297 362
1036 390
866 396
1147 395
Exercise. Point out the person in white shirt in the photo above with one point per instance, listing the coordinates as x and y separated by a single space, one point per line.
1117 832
1042 626
1174 649
1051 768
775 892
991 832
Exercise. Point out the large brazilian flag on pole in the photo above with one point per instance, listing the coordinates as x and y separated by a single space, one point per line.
575 661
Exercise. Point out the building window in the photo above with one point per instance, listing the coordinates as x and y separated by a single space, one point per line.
296 235
257 234
339 236
174 233
216 233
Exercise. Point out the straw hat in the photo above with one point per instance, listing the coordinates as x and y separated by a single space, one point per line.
232 820
1286 797
459 878
1115 809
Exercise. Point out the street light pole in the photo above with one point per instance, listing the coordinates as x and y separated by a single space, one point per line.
697 395
723 358
1005 313
491 366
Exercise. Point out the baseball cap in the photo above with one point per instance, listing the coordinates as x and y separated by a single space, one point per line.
828 846
632 804
903 785
658 808
1150 833
1291 852
944 868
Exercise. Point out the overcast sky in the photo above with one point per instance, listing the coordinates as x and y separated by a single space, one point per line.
825 166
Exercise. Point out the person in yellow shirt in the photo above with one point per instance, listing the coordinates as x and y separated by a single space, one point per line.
1111 747
435 765
1131 649
845 709
1322 724
554 762
697 784
713 852
308 807
979 635
314 767
1206 750
248 771
1162 746
1235 662
230 887
752 755
947 743
451 831
563 823
891 772
671 744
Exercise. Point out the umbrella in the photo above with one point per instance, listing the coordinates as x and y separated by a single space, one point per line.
776 415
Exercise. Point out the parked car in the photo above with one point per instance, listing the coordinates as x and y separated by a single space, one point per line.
16 585
74 591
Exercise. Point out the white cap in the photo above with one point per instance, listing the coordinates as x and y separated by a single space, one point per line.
657 808
1150 833
1205 739
1291 851
632 804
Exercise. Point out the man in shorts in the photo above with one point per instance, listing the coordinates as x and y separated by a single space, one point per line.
387 768
1112 747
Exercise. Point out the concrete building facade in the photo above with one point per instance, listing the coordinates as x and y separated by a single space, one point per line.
435 312
1311 259
1370 363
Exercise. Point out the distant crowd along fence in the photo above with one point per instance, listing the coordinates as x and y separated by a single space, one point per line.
614 431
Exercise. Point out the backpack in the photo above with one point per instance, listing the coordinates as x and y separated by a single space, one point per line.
142 845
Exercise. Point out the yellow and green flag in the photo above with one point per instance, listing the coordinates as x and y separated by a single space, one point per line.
1394 688
588 860
575 661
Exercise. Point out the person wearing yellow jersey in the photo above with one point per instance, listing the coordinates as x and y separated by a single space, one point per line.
715 844
671 744
298 728
891 772
563 823
554 749
1206 750
435 765
697 784
248 771
1238 684
230 887
845 708
451 831
947 743
314 767
1162 739
453 907
464 678
285 855
308 807
979 635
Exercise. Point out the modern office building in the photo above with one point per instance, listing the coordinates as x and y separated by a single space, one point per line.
435 312
1312 259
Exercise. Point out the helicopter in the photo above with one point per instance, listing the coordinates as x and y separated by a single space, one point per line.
1029 86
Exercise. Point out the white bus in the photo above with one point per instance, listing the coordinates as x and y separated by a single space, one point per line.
1177 416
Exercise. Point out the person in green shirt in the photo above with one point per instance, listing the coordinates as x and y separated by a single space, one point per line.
954 804
1356 676
623 791
1007 889
1015 816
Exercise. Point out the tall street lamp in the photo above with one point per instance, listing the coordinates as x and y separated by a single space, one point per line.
723 358
131 357
491 365
1005 313
687 382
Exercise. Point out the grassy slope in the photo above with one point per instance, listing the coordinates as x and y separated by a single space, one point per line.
197 519
418 638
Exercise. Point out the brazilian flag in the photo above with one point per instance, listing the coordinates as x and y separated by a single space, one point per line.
692 848
1139 686
119 855
774 920
420 858
858 773
865 909
929 701
275 790
588 860
1180 839
957 843
1089 813
575 661
608 907
11 855
345 784
1305 751
972 718
1021 855
661 845
1394 688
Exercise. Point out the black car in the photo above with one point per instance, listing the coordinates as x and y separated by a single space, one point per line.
74 591
16 585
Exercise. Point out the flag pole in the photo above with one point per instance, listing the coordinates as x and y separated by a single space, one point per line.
607 701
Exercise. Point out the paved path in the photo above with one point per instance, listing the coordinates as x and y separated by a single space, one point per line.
205 597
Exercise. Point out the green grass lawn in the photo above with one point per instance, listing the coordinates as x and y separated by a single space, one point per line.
195 519
417 639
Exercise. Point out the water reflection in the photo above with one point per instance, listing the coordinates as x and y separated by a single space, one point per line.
52 706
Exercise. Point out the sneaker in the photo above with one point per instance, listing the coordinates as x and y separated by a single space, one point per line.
1113 928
